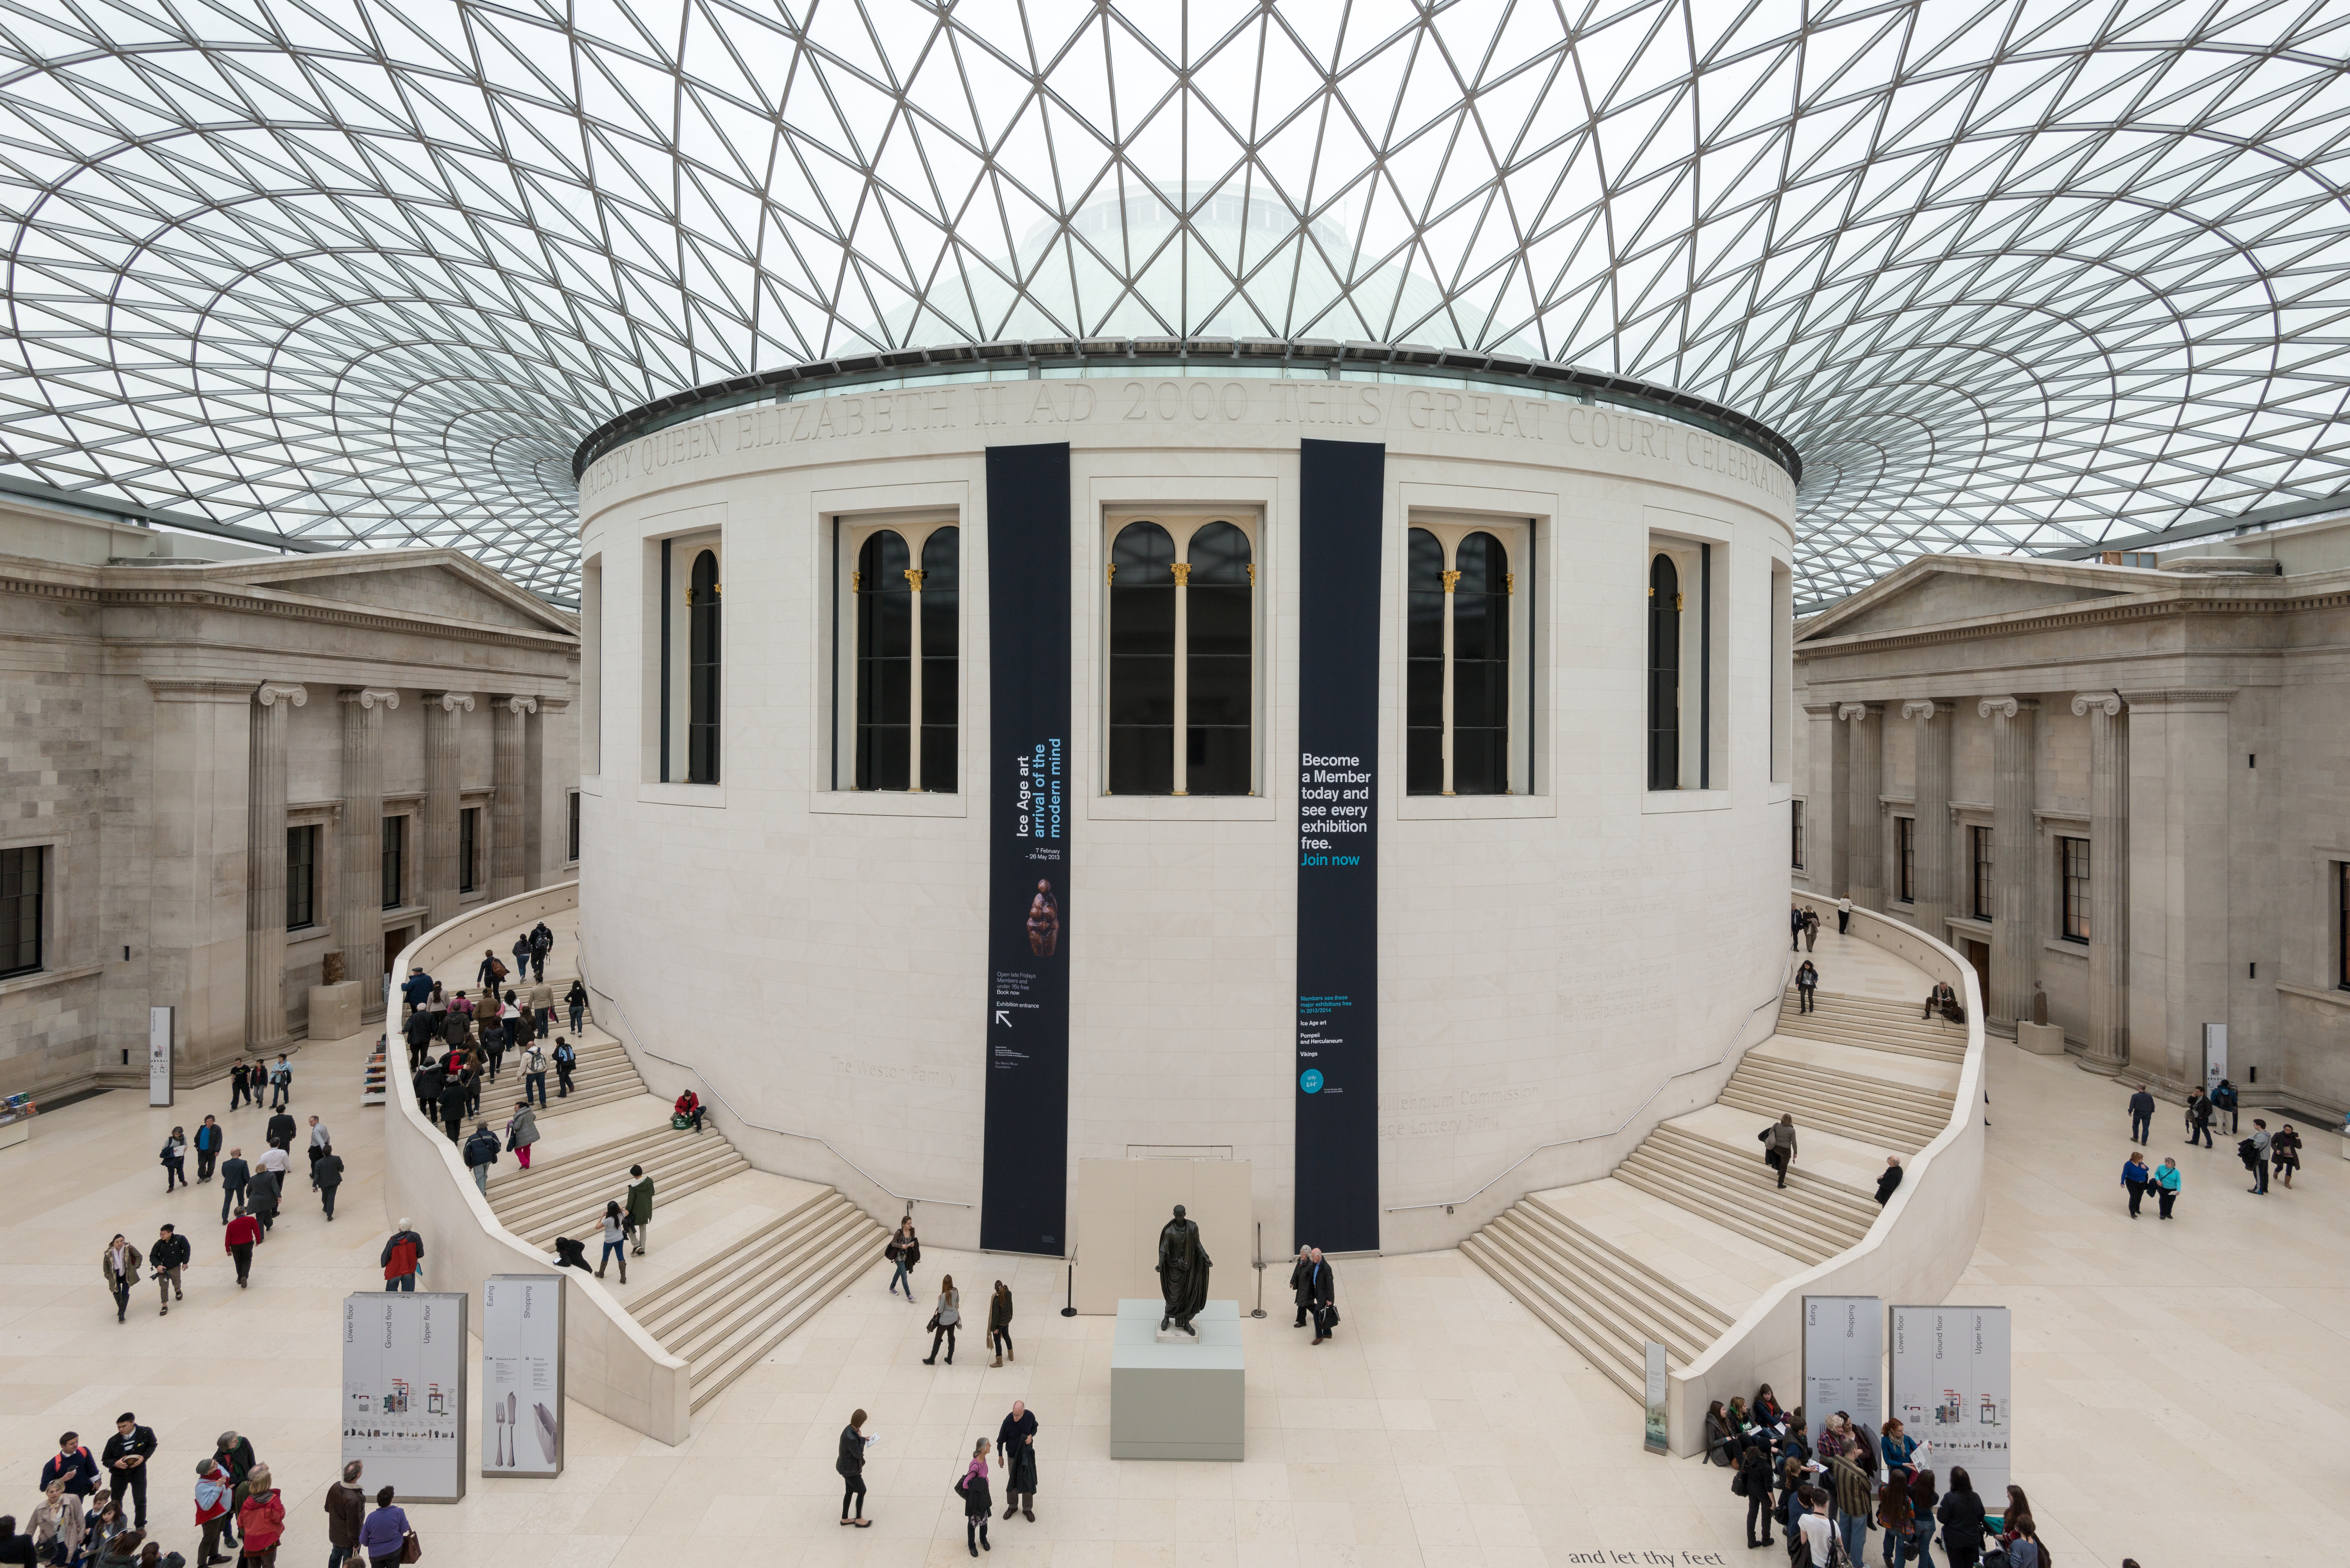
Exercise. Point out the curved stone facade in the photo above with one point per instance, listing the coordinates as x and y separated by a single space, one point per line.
1547 957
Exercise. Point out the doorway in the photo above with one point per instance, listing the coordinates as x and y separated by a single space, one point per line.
1978 955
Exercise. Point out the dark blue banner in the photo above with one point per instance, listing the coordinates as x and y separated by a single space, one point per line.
1024 1196
1340 486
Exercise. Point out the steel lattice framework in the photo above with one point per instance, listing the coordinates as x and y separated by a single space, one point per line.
2009 273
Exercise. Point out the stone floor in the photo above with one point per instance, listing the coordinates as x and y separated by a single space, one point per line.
2182 1390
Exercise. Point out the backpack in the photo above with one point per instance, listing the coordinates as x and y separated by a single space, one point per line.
497 970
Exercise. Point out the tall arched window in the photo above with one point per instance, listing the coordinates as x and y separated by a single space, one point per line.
1423 767
1481 667
1216 622
703 661
885 676
938 607
1664 674
1142 661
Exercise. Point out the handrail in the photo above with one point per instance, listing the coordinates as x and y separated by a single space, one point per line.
720 1096
1776 998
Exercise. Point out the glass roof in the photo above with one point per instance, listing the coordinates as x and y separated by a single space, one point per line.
2009 273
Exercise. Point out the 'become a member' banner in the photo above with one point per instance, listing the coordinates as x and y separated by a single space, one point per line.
1340 485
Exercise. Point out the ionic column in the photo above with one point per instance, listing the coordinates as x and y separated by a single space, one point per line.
2015 844
1932 835
1865 815
265 868
2108 879
444 733
359 924
507 783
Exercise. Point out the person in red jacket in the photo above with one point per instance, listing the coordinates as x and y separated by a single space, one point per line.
244 1234
261 1522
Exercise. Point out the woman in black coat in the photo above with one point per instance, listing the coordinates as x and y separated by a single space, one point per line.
978 1503
1755 1470
1301 1285
1961 1513
1722 1439
851 1466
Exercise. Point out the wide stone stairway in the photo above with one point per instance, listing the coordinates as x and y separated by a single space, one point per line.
1692 1228
737 1259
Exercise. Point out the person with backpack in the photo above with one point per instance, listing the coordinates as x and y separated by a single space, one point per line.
2261 1144
403 1257
208 1148
167 1262
481 1153
2199 1118
566 1059
542 943
978 1503
2224 1097
576 999
1753 1480
491 973
534 1074
851 1468
1961 1513
281 1082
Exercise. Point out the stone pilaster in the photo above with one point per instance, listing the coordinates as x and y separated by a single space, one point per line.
359 872
2179 968
507 787
2016 852
2108 879
543 819
1822 836
196 893
444 733
1863 820
265 868
1932 834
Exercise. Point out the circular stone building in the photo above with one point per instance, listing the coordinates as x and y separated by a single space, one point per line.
1367 763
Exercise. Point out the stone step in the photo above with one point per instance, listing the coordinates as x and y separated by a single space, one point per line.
1814 1111
1688 1187
574 1211
1834 1201
1522 1284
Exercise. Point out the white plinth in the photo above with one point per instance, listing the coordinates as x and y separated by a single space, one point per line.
335 1010
1178 1401
2040 1039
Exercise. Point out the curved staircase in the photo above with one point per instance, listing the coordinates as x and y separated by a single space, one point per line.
1692 1228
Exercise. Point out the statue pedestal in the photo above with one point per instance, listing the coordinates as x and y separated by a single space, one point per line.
1185 1400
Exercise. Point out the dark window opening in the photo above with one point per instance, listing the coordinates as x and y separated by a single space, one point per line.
938 608
395 842
301 878
1423 668
2073 857
1481 667
22 872
885 677
1978 842
1664 674
469 849
1795 832
1142 661
702 671
1219 649
1905 859
571 841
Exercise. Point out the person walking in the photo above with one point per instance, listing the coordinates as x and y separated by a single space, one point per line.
904 1253
240 1086
999 1324
615 1233
120 1263
1301 1285
2166 1181
1778 1142
2134 1176
403 1257
978 1505
1811 928
244 1234
1890 1180
260 1521
384 1536
2261 1143
566 1058
453 1095
1961 1513
851 1464
1321 1285
327 1176
2141 1110
1015 1451
522 957
539 1018
576 999
279 1131
319 1139
167 1262
1754 1478
1844 917
208 1148
534 1074
281 1082
542 943
124 1460
347 1510
267 1190
1807 980
1795 933
236 1180
174 1159
522 1131
490 972
641 1206
2199 1118
2284 1153
481 1154
416 989
514 1027
423 1028
944 1320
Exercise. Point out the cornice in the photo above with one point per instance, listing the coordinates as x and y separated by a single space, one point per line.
224 596
2086 613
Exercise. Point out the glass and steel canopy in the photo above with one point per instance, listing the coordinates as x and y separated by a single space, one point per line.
2006 274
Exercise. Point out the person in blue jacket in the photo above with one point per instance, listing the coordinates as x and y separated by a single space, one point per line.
2135 1177
2166 1181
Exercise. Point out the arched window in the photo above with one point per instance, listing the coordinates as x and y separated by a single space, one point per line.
1142 661
938 604
1216 624
1481 667
885 677
702 659
1423 768
1664 674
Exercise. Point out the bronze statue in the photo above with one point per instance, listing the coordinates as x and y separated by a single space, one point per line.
1182 1272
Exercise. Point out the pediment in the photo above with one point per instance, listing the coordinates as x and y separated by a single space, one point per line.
1931 593
443 587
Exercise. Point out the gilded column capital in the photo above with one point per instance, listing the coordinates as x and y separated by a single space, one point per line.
369 696
2109 703
271 692
452 701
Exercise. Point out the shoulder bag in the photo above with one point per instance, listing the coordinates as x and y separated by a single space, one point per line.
410 1549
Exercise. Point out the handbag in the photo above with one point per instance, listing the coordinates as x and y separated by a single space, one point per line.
1738 1483
410 1549
931 1327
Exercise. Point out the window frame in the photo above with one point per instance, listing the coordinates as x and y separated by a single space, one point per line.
1182 525
2072 923
392 860
306 834
571 826
1982 871
29 908
915 528
1905 859
1795 832
2341 924
1519 538
469 849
